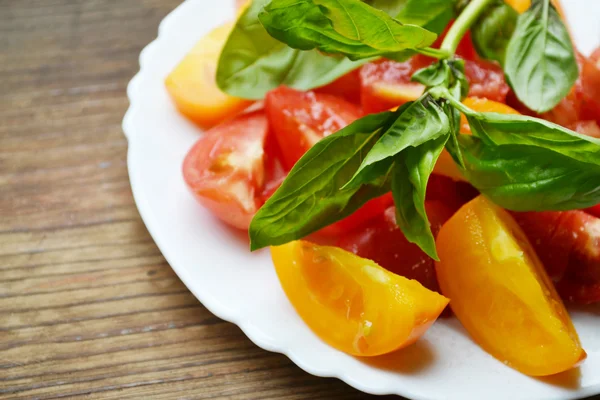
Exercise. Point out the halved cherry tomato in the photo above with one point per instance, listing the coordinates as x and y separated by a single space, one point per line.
383 242
225 169
300 119
192 84
501 293
352 303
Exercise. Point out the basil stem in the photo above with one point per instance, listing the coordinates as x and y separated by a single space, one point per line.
462 24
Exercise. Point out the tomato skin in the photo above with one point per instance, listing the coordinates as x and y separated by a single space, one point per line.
454 194
300 119
594 210
383 242
580 293
567 242
225 168
370 210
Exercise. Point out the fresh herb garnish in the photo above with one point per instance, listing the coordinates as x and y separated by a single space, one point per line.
493 30
522 163
540 61
253 63
351 28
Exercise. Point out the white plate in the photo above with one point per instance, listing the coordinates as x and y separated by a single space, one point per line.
215 264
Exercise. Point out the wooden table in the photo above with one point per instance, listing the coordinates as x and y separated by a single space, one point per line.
88 306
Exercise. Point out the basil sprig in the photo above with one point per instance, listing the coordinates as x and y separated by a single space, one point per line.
350 27
540 63
253 63
312 196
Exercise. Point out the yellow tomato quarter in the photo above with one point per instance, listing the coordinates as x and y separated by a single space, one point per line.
501 293
352 303
193 87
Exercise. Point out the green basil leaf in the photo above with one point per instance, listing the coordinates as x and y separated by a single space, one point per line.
391 7
540 63
253 63
529 178
348 27
503 129
410 175
414 124
493 30
433 15
446 73
311 197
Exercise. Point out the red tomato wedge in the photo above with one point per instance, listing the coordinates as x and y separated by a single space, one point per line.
567 242
347 86
383 242
301 119
225 169
594 210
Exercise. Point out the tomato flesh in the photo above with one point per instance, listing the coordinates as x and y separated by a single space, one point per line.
225 168
301 119
383 242
352 303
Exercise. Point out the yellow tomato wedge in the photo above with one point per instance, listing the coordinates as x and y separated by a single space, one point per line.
352 303
445 164
501 293
193 87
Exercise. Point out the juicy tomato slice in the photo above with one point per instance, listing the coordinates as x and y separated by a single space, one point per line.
567 242
352 303
589 128
300 119
386 84
501 293
192 84
225 169
383 242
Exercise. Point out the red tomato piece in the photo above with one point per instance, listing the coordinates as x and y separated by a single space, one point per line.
594 210
225 169
300 119
589 128
583 101
454 194
567 242
386 84
580 293
347 86
373 208
383 242
486 80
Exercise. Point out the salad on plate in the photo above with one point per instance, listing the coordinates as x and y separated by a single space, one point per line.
407 160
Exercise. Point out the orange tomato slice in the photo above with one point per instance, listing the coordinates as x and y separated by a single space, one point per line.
352 303
501 292
193 87
445 164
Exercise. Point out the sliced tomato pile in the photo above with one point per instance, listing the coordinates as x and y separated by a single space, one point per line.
239 163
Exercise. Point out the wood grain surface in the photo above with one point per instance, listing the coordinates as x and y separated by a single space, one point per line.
88 306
